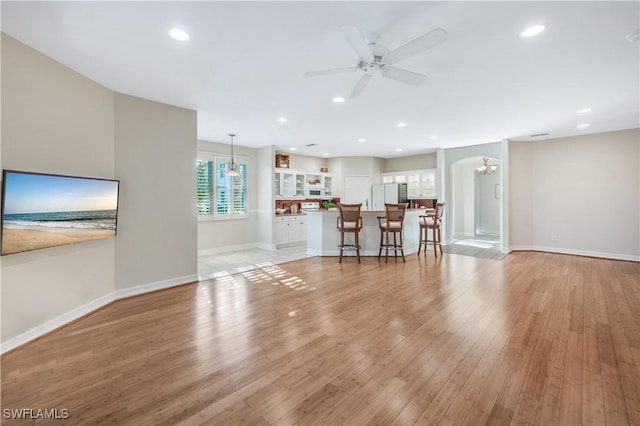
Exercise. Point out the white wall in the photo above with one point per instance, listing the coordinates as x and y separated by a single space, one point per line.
487 206
584 191
155 153
216 234
462 204
54 120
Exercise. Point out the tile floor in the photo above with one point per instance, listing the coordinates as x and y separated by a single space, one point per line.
218 265
233 262
483 246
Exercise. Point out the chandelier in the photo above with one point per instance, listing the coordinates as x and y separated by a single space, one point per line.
231 171
486 169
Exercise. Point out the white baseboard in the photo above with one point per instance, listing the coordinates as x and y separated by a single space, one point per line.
265 246
87 308
226 249
158 285
57 322
603 255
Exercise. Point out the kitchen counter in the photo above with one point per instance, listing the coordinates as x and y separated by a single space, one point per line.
300 213
323 235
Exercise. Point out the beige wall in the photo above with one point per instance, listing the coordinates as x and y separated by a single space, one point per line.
520 195
413 162
583 190
157 223
55 121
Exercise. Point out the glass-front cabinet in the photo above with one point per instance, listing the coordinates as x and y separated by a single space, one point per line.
327 186
277 184
420 183
299 186
288 184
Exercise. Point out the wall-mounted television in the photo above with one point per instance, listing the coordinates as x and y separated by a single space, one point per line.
43 210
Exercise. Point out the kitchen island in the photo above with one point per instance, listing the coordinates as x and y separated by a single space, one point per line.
323 235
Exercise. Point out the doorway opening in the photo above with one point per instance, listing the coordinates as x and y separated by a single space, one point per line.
475 207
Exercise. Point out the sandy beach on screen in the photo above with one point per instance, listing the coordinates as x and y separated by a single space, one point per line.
18 240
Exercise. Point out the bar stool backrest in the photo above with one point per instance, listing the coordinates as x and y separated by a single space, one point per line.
437 215
349 213
395 212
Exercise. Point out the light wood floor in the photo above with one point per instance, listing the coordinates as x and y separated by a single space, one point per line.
533 339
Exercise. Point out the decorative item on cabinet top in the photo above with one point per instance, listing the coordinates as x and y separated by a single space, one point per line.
283 161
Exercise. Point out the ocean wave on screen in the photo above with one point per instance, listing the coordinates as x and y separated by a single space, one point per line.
13 224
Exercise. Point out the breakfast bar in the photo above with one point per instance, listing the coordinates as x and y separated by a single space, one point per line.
323 235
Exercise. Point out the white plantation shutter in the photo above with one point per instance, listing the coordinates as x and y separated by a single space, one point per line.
239 195
223 190
205 187
220 195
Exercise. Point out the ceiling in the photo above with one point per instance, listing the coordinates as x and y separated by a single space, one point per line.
244 63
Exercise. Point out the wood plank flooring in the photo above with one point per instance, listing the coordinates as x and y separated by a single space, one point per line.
534 339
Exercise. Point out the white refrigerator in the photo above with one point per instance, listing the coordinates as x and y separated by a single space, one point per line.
388 193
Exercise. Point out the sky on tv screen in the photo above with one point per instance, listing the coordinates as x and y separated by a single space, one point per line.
33 193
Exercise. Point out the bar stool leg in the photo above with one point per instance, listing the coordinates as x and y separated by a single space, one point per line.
435 248
386 256
341 243
357 233
402 248
420 241
381 239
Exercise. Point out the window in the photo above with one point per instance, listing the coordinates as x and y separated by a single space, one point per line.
219 195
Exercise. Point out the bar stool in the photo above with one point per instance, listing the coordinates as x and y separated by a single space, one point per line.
431 221
350 221
391 223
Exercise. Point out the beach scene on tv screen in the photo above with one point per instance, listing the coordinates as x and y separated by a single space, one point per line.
44 211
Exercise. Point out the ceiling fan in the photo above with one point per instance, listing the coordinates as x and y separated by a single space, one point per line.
378 59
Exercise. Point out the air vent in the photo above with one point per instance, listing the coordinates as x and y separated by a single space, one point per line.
539 134
311 144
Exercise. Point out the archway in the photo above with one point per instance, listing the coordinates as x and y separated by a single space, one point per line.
475 203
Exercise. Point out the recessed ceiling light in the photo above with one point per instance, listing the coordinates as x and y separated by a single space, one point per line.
179 34
581 126
402 124
338 99
325 154
398 149
292 149
362 140
583 110
282 119
434 137
533 30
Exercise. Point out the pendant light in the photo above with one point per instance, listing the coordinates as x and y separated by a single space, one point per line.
231 171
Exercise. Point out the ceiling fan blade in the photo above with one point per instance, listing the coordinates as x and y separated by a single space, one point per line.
357 41
422 43
330 71
360 85
404 76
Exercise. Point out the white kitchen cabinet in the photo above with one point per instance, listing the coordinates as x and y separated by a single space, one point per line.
290 229
288 184
420 183
319 181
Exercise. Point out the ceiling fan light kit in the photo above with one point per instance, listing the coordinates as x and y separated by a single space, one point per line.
378 59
